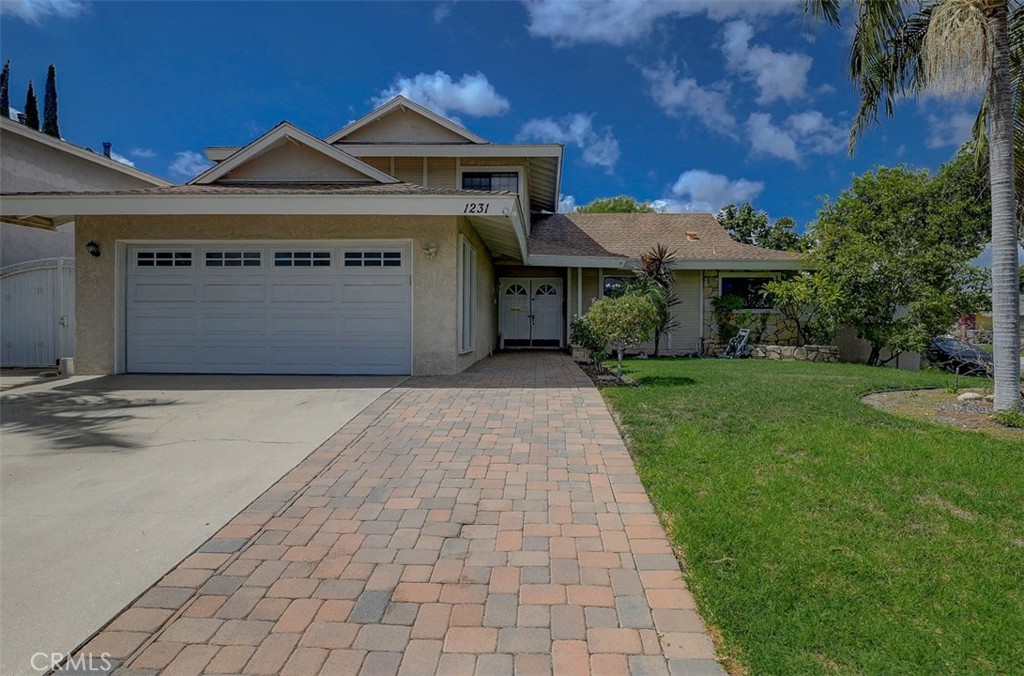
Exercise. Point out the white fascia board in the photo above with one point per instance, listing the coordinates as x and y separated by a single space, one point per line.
290 131
553 150
506 206
13 127
402 102
627 263
220 153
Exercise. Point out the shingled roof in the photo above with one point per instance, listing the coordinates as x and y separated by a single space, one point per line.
282 189
694 237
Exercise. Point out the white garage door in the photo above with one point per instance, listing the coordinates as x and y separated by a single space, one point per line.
288 307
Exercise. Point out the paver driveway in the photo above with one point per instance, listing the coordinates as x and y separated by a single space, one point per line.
485 522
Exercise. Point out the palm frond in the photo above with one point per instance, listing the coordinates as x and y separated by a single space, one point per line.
826 10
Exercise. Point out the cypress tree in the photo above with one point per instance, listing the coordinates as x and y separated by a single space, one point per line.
50 125
5 93
31 108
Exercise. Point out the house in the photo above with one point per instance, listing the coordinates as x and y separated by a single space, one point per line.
402 243
31 161
36 264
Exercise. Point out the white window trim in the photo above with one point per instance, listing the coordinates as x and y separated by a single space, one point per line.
467 292
461 169
749 275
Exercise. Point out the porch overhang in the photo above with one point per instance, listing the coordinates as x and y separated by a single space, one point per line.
498 218
623 263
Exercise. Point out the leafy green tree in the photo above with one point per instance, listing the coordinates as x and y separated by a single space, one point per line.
5 89
749 226
622 204
959 48
623 322
895 251
50 126
811 302
31 108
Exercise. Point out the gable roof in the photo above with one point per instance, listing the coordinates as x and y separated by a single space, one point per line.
60 144
402 103
286 130
620 237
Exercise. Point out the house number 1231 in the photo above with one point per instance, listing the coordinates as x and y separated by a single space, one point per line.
476 208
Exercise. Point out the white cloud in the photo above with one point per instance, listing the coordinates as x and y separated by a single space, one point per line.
767 139
809 132
949 130
442 10
471 94
566 203
34 11
600 148
142 152
118 157
778 75
189 164
683 96
620 22
702 191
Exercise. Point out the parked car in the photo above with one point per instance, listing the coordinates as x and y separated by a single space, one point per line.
959 356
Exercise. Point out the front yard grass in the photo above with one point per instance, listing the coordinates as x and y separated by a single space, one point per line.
821 535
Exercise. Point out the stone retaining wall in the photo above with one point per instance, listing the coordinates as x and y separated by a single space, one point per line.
817 353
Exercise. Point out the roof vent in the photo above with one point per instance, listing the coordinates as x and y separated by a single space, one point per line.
691 236
107 145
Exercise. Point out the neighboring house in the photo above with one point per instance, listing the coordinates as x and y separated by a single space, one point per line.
37 263
31 161
402 243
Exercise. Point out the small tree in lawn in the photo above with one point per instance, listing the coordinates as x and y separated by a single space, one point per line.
5 90
50 126
623 322
31 108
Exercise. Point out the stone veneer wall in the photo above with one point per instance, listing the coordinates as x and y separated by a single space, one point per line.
820 353
778 331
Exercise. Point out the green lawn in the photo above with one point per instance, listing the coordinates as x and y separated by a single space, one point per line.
823 536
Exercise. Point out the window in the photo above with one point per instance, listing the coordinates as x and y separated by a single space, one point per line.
302 259
614 286
233 259
491 181
163 259
467 295
749 288
373 259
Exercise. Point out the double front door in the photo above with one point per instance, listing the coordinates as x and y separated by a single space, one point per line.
531 312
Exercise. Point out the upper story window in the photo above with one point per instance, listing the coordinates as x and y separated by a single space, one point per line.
491 181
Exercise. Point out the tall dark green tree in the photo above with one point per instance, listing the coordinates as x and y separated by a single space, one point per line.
5 90
50 126
746 224
31 108
621 204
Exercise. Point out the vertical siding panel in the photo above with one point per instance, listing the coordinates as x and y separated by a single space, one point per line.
441 172
31 300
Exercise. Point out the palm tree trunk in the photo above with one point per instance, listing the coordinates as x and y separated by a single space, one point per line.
1005 264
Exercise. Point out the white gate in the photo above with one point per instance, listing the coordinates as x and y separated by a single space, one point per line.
37 317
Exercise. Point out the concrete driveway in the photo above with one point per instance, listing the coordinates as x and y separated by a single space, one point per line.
108 482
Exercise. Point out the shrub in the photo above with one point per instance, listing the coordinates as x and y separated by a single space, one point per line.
623 322
582 333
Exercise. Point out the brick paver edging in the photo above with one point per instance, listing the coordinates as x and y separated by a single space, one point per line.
490 522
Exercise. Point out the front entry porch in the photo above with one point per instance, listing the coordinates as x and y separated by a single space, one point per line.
531 312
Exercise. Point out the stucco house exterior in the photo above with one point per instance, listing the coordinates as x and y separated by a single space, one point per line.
402 243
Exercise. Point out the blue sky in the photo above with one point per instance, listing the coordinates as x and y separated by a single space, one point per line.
691 103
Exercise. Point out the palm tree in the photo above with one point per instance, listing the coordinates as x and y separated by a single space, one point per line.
960 48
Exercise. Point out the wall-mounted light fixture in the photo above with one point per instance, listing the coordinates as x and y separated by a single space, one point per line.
93 248
430 249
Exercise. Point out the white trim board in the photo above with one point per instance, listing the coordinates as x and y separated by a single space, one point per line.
407 104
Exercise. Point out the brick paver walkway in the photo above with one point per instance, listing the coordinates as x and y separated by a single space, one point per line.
490 523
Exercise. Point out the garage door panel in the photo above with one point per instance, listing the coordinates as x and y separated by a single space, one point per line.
233 325
269 318
160 325
234 292
310 325
164 292
303 292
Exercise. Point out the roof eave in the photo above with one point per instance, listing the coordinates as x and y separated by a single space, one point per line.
624 262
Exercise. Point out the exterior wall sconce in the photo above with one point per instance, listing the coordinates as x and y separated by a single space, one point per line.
430 249
93 248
